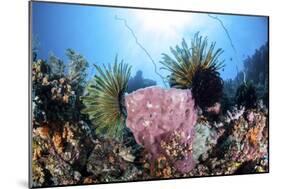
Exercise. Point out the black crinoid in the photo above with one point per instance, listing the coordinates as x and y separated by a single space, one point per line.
207 86
246 95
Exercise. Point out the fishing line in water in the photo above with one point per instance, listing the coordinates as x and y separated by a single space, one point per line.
142 47
229 38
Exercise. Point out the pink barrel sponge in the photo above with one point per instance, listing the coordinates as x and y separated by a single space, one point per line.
162 120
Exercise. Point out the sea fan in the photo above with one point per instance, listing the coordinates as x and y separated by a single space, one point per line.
105 100
187 60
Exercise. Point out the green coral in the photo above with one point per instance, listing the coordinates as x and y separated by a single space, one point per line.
105 100
187 60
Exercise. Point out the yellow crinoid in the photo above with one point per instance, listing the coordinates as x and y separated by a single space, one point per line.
188 60
105 100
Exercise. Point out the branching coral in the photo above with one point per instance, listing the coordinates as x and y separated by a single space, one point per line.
187 60
234 114
105 101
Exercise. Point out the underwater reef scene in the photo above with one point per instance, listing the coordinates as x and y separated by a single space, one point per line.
145 114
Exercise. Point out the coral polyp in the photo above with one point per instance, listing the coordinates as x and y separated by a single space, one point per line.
188 59
105 100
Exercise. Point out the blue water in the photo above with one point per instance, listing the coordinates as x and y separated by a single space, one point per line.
95 33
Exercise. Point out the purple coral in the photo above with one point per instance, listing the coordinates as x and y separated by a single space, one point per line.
251 117
162 120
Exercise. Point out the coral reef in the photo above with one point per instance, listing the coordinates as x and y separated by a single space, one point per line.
164 126
242 147
86 132
59 157
116 160
188 60
60 144
255 71
53 99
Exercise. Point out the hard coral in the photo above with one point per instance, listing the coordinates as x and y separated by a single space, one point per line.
243 147
53 100
60 155
162 120
206 137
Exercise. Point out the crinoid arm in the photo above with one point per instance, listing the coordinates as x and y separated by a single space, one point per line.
186 61
105 99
